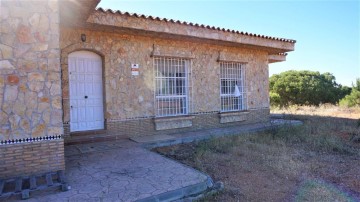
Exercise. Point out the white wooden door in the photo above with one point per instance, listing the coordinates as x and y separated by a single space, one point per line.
86 91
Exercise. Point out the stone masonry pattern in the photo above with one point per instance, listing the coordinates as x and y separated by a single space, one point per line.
132 97
30 78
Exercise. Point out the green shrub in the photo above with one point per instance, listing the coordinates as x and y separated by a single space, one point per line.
352 100
275 100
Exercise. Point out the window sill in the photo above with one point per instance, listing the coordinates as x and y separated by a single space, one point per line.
238 116
173 122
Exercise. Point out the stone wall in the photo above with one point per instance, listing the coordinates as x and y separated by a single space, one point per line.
30 88
30 78
132 97
146 126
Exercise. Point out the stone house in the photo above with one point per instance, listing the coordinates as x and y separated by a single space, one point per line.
71 71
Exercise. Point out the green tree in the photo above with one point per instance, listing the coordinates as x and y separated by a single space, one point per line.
344 91
353 99
304 88
357 84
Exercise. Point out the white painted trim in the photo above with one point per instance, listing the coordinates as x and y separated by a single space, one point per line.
84 54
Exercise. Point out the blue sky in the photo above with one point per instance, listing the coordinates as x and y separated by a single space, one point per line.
327 32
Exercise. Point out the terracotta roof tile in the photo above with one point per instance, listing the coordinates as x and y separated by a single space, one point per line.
193 24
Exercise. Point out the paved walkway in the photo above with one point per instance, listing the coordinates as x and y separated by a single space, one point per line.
126 171
123 171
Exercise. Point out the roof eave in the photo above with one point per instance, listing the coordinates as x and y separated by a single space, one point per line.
140 23
281 57
76 12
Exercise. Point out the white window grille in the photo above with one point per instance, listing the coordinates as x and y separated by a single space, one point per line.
172 86
232 86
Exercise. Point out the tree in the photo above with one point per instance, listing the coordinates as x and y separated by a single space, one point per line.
305 88
353 99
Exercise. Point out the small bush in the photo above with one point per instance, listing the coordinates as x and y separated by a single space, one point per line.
352 100
275 100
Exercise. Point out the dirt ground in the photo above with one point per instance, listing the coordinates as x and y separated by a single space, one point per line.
319 161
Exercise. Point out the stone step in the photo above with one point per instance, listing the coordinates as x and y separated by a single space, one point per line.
90 138
87 133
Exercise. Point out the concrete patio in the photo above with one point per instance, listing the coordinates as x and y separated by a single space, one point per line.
123 171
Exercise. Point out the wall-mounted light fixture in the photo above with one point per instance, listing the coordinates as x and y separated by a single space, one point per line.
83 37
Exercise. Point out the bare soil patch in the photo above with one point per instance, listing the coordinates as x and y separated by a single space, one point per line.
318 161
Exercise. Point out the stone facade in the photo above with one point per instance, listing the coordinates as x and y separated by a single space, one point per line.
130 97
30 79
30 87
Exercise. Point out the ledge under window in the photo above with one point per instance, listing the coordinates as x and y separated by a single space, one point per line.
228 117
165 123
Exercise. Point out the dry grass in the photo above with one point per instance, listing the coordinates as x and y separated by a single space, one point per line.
319 191
318 161
322 110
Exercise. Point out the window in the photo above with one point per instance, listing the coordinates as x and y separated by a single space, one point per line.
172 86
232 86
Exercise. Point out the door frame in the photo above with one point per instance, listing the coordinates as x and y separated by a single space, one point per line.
65 81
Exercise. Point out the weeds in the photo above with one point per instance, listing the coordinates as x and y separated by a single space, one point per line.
313 190
277 160
218 145
317 134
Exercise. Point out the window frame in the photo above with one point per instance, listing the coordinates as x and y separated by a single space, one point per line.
173 91
238 76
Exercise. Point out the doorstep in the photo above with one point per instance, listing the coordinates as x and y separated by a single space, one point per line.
152 138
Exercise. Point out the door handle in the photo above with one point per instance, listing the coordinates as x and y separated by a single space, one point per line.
86 96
